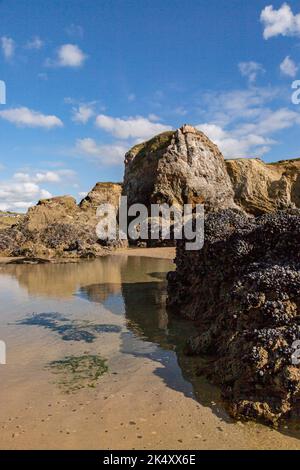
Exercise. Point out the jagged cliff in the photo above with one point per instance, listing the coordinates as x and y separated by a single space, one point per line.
265 187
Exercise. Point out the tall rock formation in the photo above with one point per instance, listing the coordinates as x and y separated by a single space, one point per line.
178 167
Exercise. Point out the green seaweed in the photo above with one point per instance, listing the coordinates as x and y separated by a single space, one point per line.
77 372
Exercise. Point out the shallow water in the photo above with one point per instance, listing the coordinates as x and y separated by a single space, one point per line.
111 309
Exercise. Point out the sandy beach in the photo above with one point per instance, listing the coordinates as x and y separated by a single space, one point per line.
151 396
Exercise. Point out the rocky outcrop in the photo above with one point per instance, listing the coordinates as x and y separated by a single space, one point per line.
58 227
101 193
265 187
178 167
7 219
242 290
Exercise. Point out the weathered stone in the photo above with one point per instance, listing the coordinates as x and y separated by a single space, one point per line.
265 187
243 291
101 193
178 167
58 227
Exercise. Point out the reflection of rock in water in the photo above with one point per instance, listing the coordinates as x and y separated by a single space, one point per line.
109 295
147 319
145 309
62 280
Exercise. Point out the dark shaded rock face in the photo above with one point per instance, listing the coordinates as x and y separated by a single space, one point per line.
178 167
243 291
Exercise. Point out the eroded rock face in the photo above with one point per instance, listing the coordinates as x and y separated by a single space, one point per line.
261 188
58 227
101 193
178 167
243 291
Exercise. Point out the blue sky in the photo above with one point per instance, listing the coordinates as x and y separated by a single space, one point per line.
87 79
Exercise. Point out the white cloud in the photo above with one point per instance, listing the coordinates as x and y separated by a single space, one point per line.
24 189
224 108
83 194
45 176
68 55
272 121
280 22
251 70
133 127
15 195
82 113
8 47
104 153
233 146
35 43
241 123
29 118
288 67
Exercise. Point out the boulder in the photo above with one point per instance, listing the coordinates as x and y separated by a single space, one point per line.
242 290
178 167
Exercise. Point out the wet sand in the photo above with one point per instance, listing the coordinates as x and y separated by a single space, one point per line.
163 253
151 396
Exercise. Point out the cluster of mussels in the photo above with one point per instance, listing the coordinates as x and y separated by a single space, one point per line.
243 292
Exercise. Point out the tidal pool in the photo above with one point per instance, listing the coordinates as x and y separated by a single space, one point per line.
95 362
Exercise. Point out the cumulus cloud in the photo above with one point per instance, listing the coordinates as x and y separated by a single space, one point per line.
8 46
131 128
103 153
233 145
288 67
28 118
24 189
18 196
242 124
68 55
34 44
45 176
280 22
82 113
251 70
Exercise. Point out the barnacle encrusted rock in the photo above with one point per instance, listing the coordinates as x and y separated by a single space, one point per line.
243 291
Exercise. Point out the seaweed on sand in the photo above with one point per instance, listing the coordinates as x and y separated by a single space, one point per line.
76 372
